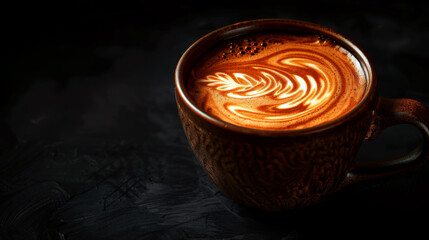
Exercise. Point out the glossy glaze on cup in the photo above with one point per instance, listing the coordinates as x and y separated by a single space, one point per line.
281 170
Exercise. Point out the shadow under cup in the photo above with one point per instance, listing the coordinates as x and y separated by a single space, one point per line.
282 170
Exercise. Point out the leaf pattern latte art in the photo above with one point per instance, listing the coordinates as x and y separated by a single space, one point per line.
296 86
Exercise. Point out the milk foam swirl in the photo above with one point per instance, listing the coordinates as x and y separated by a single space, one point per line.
293 85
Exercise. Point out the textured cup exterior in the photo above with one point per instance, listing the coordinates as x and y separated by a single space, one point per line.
275 172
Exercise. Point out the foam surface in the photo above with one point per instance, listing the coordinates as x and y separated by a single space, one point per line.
277 81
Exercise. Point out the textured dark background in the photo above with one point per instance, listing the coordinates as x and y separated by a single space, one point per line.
91 146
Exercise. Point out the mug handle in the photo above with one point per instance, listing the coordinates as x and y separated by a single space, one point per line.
387 113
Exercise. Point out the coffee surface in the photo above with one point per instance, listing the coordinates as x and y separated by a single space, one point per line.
277 81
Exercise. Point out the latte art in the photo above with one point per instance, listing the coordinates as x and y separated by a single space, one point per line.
294 83
293 95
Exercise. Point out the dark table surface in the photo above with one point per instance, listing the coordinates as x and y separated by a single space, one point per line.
91 146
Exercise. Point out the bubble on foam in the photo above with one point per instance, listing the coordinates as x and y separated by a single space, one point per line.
244 47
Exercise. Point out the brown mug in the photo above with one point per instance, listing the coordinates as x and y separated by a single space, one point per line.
283 170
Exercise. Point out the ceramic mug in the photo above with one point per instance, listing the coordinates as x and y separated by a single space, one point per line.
282 170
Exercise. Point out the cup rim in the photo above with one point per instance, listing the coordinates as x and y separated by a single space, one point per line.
245 27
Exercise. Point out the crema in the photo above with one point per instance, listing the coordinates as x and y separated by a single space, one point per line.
277 81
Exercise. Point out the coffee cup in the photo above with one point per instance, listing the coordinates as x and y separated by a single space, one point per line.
311 98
